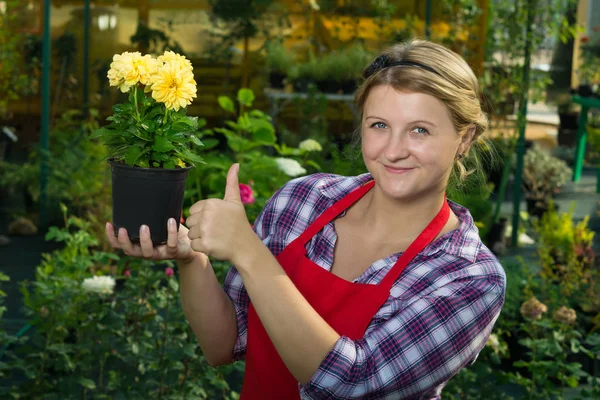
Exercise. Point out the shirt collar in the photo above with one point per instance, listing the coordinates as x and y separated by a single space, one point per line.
462 242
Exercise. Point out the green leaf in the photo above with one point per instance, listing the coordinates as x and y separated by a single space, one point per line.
189 350
238 144
226 104
135 349
87 383
201 123
100 132
186 155
264 136
210 143
185 124
149 125
245 97
169 164
157 111
162 157
162 144
572 381
259 115
123 108
196 141
313 164
132 155
139 133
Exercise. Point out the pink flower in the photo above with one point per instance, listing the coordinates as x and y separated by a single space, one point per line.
246 194
169 272
127 273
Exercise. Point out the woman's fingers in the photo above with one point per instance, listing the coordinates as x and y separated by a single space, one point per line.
126 244
198 245
110 235
172 236
146 242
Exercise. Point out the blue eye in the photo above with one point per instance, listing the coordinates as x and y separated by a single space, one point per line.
378 125
421 131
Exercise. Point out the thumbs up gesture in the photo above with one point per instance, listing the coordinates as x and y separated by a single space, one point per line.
220 228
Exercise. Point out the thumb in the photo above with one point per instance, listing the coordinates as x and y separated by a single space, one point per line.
232 188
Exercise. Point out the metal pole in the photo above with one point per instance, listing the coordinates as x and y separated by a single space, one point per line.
45 117
522 121
428 20
86 57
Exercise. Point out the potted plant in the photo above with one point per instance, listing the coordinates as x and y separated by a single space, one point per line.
303 75
589 67
543 175
357 57
149 140
568 115
278 62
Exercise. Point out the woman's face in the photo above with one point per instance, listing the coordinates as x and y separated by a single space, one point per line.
409 143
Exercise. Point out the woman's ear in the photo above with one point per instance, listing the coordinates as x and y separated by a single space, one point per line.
467 139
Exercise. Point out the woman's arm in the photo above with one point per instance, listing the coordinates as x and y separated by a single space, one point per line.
300 335
421 345
208 309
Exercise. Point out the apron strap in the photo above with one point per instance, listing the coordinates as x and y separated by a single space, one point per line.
332 212
423 240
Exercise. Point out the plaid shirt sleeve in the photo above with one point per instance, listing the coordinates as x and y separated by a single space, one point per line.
418 348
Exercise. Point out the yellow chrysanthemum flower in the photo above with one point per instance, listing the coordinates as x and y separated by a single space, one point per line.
173 85
172 56
129 68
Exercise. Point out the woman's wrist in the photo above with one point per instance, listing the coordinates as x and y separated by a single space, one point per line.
194 258
249 253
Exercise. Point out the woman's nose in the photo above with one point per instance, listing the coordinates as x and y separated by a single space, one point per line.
397 147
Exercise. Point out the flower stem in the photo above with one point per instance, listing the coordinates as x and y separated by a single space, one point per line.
137 110
166 115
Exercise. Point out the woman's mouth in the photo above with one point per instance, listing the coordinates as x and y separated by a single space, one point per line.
397 170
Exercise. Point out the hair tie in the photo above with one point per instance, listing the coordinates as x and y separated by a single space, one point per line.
383 61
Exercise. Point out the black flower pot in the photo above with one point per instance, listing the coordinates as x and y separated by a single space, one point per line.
585 90
277 80
538 207
146 196
567 130
495 236
301 85
323 86
348 86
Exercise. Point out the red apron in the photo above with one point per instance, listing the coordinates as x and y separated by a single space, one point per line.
346 306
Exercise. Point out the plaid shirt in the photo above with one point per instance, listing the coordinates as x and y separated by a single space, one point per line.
438 316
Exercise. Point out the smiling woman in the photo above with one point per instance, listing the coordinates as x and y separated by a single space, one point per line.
373 286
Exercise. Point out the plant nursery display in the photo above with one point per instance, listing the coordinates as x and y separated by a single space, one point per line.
150 139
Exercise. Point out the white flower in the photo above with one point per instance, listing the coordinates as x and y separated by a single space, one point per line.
290 167
310 145
99 284
493 342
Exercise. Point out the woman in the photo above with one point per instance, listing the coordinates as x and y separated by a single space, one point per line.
368 287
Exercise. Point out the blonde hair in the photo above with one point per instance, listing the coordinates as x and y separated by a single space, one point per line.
426 67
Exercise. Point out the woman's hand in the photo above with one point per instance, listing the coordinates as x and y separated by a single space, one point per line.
177 246
220 228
